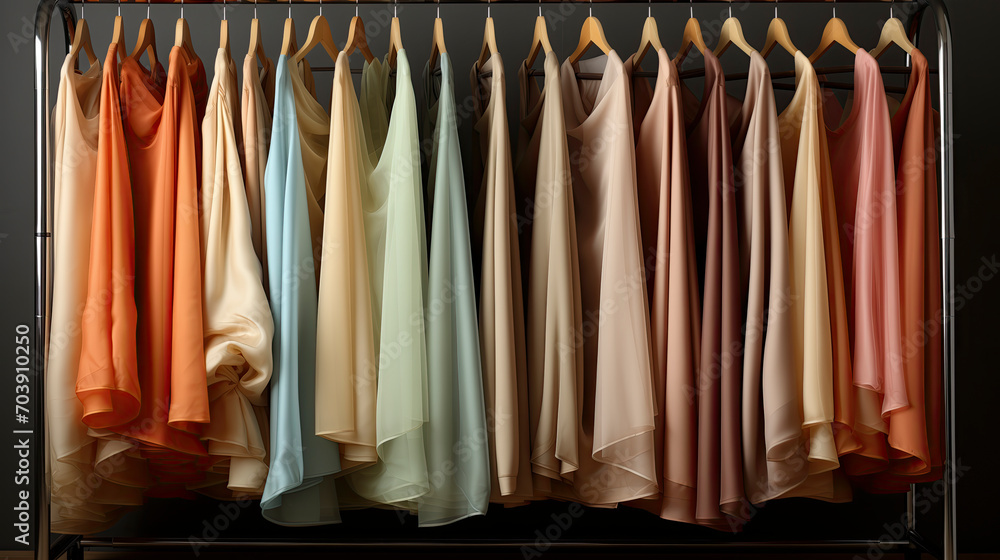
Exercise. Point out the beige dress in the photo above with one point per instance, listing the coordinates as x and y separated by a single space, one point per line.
618 410
812 236
773 446
257 108
501 305
554 314
237 318
664 195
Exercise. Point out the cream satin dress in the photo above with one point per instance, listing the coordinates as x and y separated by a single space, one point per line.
617 424
395 238
547 231
257 108
237 317
666 221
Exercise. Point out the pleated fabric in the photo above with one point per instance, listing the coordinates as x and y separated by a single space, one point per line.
300 488
346 371
618 410
915 452
82 500
455 438
238 324
256 109
666 222
770 427
821 349
864 181
397 269
501 302
547 232
164 147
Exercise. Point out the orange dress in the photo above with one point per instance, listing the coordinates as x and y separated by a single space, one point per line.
164 148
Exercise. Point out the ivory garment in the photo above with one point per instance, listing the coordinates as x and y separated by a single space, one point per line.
82 501
397 270
618 410
773 446
717 246
455 435
915 451
346 369
300 489
822 350
547 230
238 324
666 221
257 107
864 183
164 148
501 303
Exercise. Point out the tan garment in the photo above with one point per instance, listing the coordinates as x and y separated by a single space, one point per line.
714 207
821 353
346 371
501 305
618 410
257 107
554 314
664 195
314 138
238 325
773 447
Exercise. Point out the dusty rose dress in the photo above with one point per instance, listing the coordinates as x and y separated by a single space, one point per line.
664 195
716 238
864 184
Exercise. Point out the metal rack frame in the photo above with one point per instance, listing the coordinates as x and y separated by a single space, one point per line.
912 544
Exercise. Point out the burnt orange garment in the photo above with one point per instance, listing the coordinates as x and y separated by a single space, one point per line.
915 451
165 151
666 222
711 166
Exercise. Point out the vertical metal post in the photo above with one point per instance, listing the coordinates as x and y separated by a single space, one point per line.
947 191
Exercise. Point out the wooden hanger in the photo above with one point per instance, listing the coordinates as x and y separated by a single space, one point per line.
356 39
835 32
289 43
256 42
777 34
893 33
650 38
182 35
591 34
319 34
732 34
81 41
437 41
692 37
146 42
224 37
395 42
540 40
489 47
118 39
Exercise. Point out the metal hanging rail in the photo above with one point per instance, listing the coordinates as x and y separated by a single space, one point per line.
912 545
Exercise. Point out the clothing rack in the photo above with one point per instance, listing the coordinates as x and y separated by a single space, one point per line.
912 544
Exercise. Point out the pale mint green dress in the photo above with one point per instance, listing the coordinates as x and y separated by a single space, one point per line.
397 268
300 487
455 437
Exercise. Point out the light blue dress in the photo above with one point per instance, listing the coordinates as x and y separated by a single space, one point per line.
455 436
300 489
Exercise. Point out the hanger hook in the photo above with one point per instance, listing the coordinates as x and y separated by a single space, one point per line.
394 4
224 10
289 9
591 9
83 6
890 8
691 8
182 9
539 8
254 9
438 8
320 7
834 9
730 8
775 9
356 4
119 8
488 9
649 9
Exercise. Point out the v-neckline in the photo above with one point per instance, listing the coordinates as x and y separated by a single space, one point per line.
579 109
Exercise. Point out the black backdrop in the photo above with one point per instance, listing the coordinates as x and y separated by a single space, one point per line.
977 199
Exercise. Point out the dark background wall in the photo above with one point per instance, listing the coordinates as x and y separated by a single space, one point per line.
977 199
